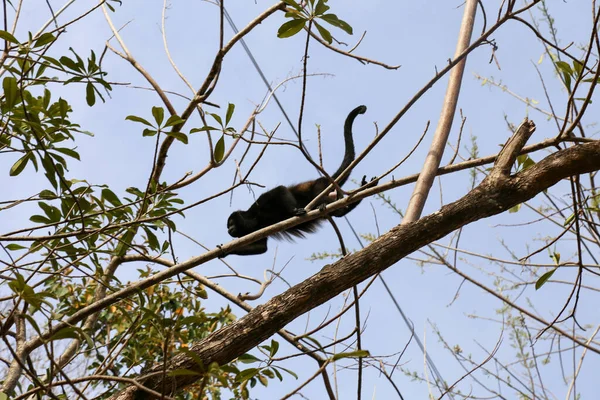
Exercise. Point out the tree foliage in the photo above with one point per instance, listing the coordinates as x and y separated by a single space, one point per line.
73 326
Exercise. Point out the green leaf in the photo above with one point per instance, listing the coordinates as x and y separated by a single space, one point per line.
9 84
544 278
66 333
248 359
583 99
33 323
230 109
67 62
564 67
217 118
569 219
44 39
182 137
135 118
59 159
64 108
111 197
528 163
52 61
220 149
566 71
321 7
48 195
159 115
39 219
335 21
293 4
87 338
246 374
20 165
90 95
170 224
174 120
203 129
514 209
149 132
264 381
9 37
152 239
274 348
290 28
351 354
125 242
24 291
325 34
578 67
294 15
292 373
52 212
68 152
49 170
14 246
268 373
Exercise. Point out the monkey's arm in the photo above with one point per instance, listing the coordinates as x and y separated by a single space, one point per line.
258 247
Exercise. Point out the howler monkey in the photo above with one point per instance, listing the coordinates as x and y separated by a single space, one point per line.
283 202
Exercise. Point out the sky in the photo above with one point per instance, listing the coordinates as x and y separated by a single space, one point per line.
421 37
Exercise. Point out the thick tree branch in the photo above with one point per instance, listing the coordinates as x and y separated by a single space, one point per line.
496 194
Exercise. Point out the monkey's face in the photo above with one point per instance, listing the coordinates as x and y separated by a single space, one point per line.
238 225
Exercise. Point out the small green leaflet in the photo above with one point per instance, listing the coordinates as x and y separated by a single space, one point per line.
138 119
179 136
351 354
20 165
9 84
159 115
290 28
544 278
230 109
8 37
325 34
220 149
44 39
335 21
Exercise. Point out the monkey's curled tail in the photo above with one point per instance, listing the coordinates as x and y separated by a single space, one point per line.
349 154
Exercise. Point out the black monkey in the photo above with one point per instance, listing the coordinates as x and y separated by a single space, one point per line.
283 202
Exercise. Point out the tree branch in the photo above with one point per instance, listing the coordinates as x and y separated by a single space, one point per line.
493 196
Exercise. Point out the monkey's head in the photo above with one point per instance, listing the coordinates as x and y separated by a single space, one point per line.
240 224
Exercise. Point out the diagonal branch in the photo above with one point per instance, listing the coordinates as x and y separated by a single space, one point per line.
491 197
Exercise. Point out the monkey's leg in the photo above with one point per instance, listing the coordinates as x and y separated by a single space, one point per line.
343 211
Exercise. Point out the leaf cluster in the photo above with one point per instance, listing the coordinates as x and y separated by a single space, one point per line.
315 11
